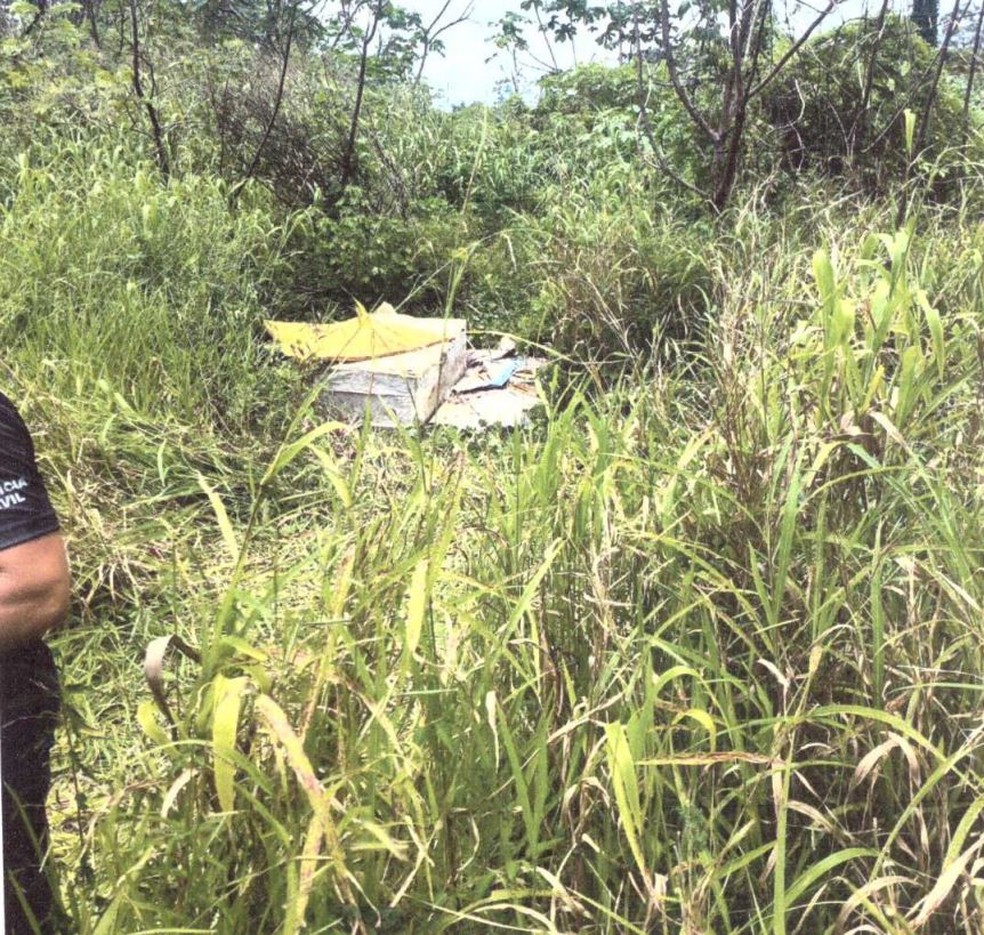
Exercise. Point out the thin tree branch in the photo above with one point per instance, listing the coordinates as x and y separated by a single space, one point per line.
38 17
671 66
903 209
546 38
951 28
916 86
348 157
793 50
160 146
648 131
278 101
973 69
430 33
859 130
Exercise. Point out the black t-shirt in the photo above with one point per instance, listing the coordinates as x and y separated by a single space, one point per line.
27 674
25 510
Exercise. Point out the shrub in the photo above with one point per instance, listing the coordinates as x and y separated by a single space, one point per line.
824 123
616 276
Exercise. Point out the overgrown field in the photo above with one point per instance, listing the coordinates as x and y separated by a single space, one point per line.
698 651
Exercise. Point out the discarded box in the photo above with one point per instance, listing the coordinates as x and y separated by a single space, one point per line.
483 409
401 370
496 390
394 367
399 389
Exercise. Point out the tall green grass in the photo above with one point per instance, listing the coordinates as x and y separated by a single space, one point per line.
698 651
108 277
697 654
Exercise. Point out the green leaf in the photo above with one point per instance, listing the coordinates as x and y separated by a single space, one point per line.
147 719
108 920
910 131
222 517
225 725
519 777
704 719
335 476
823 273
626 788
416 609
289 452
817 871
936 335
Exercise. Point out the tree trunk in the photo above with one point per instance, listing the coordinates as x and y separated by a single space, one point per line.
973 70
349 156
727 159
157 131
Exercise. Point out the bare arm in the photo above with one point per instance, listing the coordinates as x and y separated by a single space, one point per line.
34 590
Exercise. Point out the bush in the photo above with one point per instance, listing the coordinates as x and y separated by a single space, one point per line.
824 124
615 277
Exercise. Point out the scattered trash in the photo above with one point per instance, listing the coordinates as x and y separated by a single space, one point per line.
404 371
494 375
495 390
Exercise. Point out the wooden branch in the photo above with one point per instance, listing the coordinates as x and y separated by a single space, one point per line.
433 31
671 66
971 74
903 208
755 42
916 86
647 129
793 50
348 157
951 28
277 103
861 132
160 145
37 18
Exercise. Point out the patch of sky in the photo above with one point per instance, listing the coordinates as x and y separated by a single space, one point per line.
473 69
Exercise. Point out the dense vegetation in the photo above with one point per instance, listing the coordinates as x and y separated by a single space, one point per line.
698 651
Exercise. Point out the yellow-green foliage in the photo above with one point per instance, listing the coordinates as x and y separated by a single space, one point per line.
826 123
698 651
106 273
701 654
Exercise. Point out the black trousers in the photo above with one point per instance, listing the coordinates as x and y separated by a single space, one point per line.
29 701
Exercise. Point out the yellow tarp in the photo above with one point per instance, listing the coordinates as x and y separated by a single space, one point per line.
369 335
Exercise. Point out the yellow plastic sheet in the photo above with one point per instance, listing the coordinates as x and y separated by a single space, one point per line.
365 337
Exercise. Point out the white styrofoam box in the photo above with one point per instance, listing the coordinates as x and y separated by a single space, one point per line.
399 389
